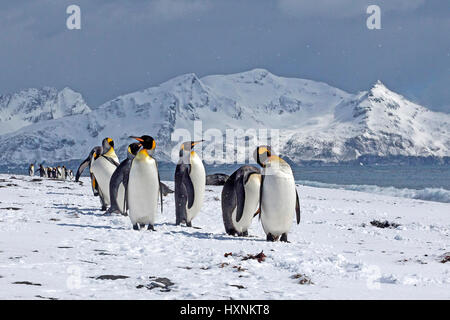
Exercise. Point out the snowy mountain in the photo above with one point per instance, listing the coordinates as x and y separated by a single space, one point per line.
315 121
30 106
377 122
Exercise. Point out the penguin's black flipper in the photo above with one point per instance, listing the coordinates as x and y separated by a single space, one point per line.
180 194
229 203
240 195
114 184
186 169
94 186
297 206
160 188
126 178
261 195
114 162
81 168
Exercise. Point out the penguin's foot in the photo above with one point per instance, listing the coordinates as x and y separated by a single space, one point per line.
135 227
112 210
150 227
103 208
142 225
245 234
284 238
270 237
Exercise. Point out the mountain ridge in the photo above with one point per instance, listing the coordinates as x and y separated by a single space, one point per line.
32 105
317 122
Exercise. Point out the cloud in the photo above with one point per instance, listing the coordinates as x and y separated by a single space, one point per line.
154 11
170 9
343 8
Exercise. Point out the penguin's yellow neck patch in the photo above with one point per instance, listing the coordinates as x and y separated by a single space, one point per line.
110 153
193 153
276 159
143 154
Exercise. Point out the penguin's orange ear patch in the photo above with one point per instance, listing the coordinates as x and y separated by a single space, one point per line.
153 145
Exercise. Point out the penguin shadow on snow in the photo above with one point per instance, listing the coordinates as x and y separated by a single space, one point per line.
214 236
65 193
77 210
91 226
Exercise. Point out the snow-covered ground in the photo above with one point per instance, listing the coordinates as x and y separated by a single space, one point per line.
55 243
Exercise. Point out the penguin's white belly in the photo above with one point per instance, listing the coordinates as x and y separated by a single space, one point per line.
143 191
278 204
251 204
103 170
198 178
121 197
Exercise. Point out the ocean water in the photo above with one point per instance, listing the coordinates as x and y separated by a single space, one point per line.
422 182
426 182
430 182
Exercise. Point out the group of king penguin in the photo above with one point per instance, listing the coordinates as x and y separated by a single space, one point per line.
61 173
133 187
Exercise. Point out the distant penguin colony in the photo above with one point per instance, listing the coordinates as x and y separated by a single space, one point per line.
61 173
133 188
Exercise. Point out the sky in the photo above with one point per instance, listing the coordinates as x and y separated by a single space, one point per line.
125 46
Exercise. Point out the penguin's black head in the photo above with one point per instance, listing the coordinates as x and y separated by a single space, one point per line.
188 146
261 154
107 144
96 152
146 141
134 148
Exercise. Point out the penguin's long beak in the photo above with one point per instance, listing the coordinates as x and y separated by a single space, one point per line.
197 142
137 138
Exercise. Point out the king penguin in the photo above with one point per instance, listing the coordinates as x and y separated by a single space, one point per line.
31 170
87 163
190 181
240 200
42 171
119 181
102 169
278 195
144 186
